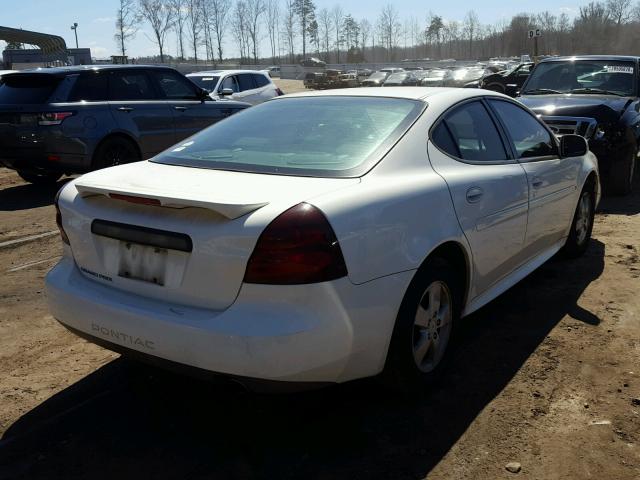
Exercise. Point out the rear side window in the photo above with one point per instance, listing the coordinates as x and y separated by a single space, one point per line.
174 86
246 81
89 87
260 80
16 89
529 137
130 86
473 134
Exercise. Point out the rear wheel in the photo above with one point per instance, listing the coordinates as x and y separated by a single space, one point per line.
114 151
582 224
46 178
424 328
621 175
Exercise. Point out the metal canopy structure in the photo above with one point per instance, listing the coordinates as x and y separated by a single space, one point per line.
49 44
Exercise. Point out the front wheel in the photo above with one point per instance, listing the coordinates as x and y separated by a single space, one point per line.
46 178
424 327
582 224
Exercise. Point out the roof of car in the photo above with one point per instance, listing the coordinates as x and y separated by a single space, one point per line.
621 58
220 72
411 93
82 68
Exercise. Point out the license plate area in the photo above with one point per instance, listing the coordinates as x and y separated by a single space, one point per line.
142 262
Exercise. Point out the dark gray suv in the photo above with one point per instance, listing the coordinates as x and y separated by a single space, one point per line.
57 121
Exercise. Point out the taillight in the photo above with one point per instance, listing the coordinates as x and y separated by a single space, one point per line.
53 118
279 92
63 234
298 247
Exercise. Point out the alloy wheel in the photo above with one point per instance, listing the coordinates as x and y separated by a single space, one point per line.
432 326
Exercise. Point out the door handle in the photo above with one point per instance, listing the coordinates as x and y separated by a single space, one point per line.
125 109
474 194
178 107
537 182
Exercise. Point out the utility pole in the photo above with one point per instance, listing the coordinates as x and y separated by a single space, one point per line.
74 27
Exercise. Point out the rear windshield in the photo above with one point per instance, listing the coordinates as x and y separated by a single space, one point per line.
311 136
208 83
16 89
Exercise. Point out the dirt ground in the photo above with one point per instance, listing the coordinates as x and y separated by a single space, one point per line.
547 376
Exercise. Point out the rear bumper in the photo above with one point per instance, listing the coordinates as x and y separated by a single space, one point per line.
328 332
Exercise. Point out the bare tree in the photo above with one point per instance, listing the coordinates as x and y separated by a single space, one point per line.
306 12
272 14
160 16
255 9
289 24
324 30
180 15
337 14
194 24
127 20
620 10
471 27
389 29
365 34
239 27
217 13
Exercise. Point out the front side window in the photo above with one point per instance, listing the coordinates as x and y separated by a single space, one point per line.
130 86
230 82
173 86
529 137
332 136
470 129
583 77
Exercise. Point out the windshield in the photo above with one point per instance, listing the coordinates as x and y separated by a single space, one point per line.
378 76
208 83
583 76
20 88
436 73
312 136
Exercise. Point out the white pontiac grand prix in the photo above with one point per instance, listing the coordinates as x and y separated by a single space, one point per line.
321 237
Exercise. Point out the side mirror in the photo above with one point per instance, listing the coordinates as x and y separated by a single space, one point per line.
573 146
203 95
225 92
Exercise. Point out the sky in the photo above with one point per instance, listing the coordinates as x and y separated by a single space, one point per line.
96 18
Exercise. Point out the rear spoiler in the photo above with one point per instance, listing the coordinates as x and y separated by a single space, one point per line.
229 210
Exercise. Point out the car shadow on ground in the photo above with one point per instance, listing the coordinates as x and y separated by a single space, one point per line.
623 205
28 195
125 421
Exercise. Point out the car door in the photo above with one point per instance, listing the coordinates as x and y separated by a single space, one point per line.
488 189
248 92
516 79
139 111
231 82
264 89
553 181
190 113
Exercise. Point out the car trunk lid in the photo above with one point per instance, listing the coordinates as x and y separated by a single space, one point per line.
173 233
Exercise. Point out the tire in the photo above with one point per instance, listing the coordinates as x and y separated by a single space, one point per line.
419 351
114 151
582 224
621 175
48 178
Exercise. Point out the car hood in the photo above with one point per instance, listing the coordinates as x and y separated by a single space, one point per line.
600 107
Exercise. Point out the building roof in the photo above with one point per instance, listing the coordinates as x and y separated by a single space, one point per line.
49 44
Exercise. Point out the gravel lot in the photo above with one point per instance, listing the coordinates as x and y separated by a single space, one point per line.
547 376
